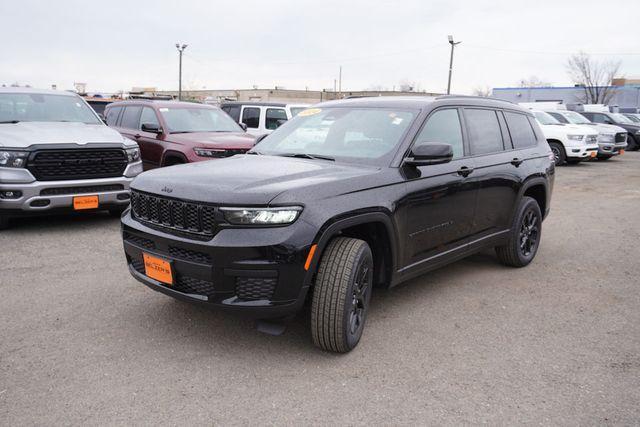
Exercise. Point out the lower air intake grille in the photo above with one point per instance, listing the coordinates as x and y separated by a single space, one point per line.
255 288
184 284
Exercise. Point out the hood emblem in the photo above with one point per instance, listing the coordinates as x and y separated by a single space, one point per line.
166 189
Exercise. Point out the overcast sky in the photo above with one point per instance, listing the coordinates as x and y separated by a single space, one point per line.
115 45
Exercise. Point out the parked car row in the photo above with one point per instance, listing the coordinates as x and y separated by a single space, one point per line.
592 132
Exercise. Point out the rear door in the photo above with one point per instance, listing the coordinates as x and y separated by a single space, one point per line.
497 168
441 198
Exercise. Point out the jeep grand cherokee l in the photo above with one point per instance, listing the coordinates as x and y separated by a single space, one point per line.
348 195
171 132
57 155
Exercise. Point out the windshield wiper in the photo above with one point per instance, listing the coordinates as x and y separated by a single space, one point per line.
307 156
10 122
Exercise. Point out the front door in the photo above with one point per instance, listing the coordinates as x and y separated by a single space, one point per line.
441 199
151 144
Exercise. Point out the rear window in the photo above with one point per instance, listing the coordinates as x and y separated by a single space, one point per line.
130 117
484 131
520 129
112 115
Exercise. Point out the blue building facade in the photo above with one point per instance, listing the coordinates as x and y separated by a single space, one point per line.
625 96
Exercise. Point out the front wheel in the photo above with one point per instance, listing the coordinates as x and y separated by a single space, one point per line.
524 236
341 294
559 156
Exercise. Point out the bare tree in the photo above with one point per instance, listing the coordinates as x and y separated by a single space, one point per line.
484 91
594 76
533 81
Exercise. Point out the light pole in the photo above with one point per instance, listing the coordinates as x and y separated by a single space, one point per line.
181 49
453 44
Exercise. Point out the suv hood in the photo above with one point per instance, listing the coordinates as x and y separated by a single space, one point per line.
604 128
565 129
25 134
214 139
258 180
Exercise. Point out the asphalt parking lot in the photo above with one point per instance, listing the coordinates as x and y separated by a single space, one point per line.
557 342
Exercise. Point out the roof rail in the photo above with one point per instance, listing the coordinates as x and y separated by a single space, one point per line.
473 97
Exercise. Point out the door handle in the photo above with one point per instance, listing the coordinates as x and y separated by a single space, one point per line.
516 161
465 171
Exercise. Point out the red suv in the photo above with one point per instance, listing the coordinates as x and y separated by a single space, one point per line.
171 132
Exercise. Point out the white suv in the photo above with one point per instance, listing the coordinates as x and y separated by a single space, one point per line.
569 143
261 118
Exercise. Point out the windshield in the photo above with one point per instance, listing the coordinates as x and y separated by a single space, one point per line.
362 135
198 119
296 110
633 118
545 118
620 118
575 118
38 107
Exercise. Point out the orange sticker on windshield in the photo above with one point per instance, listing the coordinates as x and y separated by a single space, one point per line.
309 112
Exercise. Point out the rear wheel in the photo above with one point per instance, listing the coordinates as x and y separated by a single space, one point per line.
524 236
559 156
341 294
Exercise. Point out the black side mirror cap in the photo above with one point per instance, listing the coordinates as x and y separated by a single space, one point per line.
151 128
429 153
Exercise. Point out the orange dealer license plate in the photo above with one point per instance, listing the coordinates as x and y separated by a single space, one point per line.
85 202
158 269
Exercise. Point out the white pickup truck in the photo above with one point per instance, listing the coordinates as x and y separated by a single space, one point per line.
569 143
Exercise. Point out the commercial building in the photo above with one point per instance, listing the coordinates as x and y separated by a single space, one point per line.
626 93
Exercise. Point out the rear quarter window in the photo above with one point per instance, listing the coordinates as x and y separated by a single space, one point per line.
522 134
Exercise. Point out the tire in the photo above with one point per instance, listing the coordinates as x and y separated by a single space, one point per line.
4 222
527 223
117 212
342 293
632 144
560 157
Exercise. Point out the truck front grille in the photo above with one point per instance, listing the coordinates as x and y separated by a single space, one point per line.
80 163
174 216
621 137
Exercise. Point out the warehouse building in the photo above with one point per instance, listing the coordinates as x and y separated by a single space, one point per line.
626 94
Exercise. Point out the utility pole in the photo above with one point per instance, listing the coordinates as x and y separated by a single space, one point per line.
453 44
340 82
181 49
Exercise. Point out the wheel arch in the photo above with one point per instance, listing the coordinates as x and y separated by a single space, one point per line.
375 228
538 189
171 154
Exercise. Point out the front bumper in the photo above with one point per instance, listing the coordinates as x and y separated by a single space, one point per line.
584 152
257 272
610 149
45 196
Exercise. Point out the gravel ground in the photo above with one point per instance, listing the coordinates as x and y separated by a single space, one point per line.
557 342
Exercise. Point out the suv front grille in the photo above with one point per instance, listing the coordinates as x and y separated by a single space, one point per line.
81 163
621 137
173 216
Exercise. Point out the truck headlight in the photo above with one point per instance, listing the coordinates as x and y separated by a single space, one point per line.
210 152
607 137
575 137
261 216
133 155
13 159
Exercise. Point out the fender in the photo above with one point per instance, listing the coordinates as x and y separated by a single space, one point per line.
332 228
530 182
172 153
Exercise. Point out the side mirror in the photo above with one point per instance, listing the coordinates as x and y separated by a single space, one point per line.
609 122
151 128
429 153
243 126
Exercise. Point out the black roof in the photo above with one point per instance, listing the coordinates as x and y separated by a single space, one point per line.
258 103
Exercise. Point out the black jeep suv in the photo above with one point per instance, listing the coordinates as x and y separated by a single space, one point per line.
348 195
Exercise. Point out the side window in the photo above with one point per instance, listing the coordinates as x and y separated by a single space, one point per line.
112 115
273 117
148 117
484 131
521 132
233 111
559 117
251 117
130 117
444 126
598 118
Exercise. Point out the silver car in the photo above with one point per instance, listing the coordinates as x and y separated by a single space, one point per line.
57 155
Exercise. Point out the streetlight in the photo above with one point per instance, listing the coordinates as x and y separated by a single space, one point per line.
453 44
180 50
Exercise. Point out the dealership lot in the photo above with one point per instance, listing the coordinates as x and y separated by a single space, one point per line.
557 342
